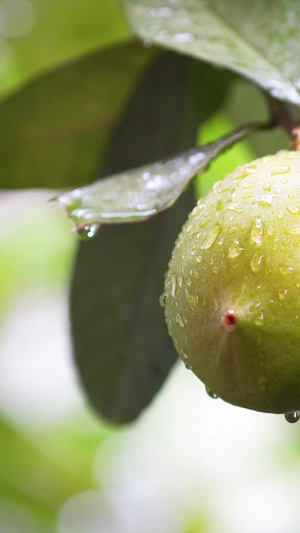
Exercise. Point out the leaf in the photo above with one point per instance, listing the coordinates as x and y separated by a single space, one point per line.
138 194
57 31
121 345
258 39
54 131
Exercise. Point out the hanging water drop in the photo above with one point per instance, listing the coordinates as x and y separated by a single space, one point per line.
211 394
292 417
86 232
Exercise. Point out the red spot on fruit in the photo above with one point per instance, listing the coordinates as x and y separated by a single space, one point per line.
229 320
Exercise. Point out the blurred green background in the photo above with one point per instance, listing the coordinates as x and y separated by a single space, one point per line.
189 464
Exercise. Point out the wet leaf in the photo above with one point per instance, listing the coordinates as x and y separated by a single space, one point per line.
141 193
54 131
121 346
258 38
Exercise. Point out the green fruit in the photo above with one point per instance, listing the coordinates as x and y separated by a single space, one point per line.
232 292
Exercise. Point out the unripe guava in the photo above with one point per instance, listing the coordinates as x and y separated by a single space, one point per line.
232 292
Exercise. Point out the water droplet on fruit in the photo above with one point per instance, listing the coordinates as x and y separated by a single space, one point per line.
192 298
188 367
180 280
210 239
180 320
265 201
256 263
281 169
293 230
173 285
205 221
211 394
267 186
292 417
162 299
86 232
257 235
285 270
199 259
282 294
234 207
234 250
293 209
183 354
258 320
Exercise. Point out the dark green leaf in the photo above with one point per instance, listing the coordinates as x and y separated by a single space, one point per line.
54 131
258 38
122 348
138 194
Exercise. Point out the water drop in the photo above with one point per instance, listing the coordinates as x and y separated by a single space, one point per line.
234 250
292 417
183 354
192 298
180 279
180 321
234 207
267 186
285 270
195 273
148 43
258 320
293 209
211 394
282 294
183 37
232 229
281 169
265 201
162 299
87 232
210 239
293 230
255 263
173 285
257 234
204 221
188 367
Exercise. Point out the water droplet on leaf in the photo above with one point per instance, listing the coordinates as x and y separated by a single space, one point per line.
292 417
211 394
87 232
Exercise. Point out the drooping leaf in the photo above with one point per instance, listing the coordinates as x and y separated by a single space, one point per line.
258 38
121 345
138 194
54 131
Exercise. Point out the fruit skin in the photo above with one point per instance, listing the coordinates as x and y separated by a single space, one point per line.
232 292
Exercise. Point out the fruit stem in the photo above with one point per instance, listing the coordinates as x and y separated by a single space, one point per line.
281 115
